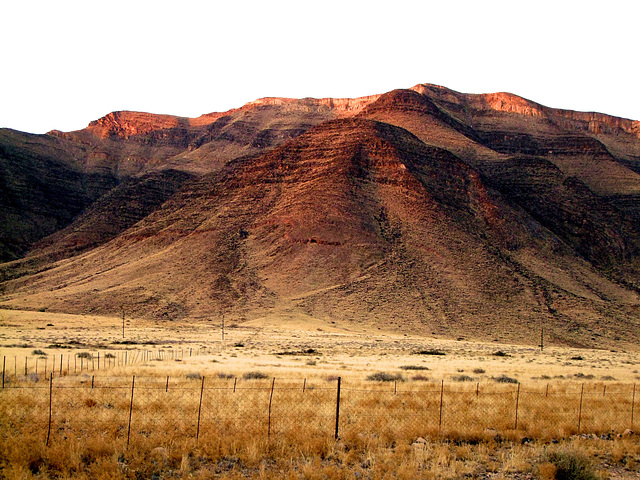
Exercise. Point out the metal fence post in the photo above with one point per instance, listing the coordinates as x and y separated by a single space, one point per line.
199 410
338 408
50 404
580 411
517 403
270 400
633 404
441 398
133 383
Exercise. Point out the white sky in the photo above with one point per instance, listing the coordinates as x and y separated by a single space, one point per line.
65 63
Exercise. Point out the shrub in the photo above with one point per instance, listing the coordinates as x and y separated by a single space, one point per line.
385 377
430 352
413 367
504 379
224 376
86 355
255 376
567 465
478 370
463 378
39 352
500 353
420 378
194 376
577 357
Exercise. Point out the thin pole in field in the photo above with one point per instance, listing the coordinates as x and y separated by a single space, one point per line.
580 411
517 403
25 366
50 404
441 398
61 363
270 401
133 383
167 387
477 389
338 408
4 363
633 404
200 410
304 385
235 380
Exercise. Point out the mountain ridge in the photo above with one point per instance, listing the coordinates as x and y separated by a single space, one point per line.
423 210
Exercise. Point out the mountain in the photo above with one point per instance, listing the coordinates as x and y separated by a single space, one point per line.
421 210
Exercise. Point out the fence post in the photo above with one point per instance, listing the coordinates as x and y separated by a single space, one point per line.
133 383
270 400
199 411
304 385
477 389
50 404
167 387
25 366
61 356
580 411
517 403
4 362
441 398
92 378
338 408
633 403
235 380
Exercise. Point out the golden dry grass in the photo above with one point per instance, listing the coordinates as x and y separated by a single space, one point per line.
386 429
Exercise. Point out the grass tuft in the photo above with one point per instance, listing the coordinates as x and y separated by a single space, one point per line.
385 377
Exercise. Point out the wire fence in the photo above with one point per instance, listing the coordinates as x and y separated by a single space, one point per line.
151 411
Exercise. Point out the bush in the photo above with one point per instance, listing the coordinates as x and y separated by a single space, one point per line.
577 357
39 352
478 371
420 378
255 376
385 377
505 379
463 378
86 355
194 376
430 352
567 465
500 353
413 367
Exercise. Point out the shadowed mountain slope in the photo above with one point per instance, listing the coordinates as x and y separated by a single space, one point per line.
422 210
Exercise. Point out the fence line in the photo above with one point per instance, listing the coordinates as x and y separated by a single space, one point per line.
158 407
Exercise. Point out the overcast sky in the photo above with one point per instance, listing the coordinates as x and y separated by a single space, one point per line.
65 63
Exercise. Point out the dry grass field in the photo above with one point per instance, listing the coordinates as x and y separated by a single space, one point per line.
171 400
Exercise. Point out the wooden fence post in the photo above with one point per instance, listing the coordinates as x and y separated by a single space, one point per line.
4 362
338 409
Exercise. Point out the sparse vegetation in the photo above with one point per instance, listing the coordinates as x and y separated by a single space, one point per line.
500 353
413 367
505 379
565 464
255 376
385 377
39 352
430 352
478 371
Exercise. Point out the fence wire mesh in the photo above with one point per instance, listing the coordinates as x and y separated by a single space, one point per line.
231 411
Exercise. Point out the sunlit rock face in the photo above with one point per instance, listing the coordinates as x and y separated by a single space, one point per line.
421 210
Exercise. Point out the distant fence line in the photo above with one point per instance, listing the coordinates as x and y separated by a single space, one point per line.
79 362
154 409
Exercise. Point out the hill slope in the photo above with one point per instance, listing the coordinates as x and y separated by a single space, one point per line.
422 210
